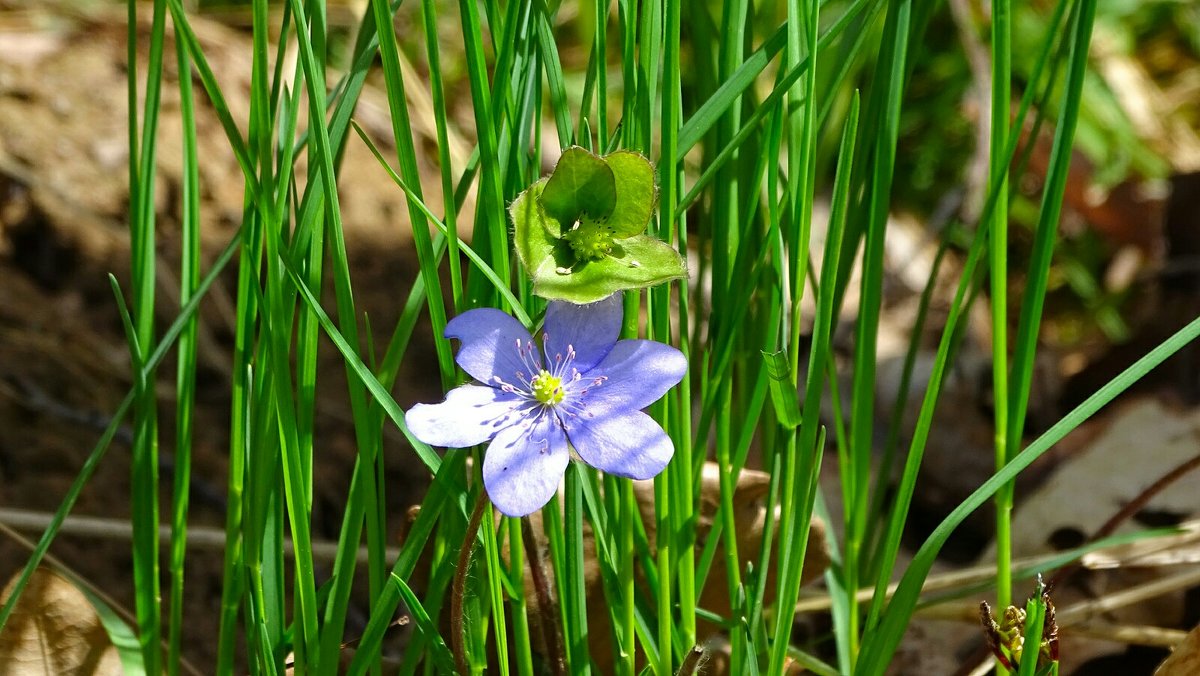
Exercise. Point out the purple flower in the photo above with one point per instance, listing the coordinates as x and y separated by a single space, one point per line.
585 389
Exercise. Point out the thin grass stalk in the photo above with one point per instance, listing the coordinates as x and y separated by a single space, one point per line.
521 146
370 493
1045 235
796 229
772 434
233 580
649 51
998 173
724 235
628 25
445 492
446 169
767 106
307 237
306 640
1035 618
265 608
573 587
491 228
725 196
601 511
269 438
511 77
496 596
1029 99
555 79
821 354
622 525
324 156
889 543
522 641
307 244
681 486
907 593
137 361
185 388
895 420
892 69
144 464
887 634
767 109
680 400
407 160
602 7
406 156
733 563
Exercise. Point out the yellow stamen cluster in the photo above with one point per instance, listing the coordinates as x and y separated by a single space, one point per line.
547 388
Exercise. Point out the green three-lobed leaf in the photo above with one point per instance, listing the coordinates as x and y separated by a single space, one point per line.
579 232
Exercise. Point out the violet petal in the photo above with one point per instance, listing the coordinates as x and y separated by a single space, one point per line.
636 373
470 415
524 465
630 444
590 329
489 345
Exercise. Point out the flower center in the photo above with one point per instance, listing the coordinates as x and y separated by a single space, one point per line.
547 388
590 240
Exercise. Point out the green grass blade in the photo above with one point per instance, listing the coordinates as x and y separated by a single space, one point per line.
357 368
402 136
706 116
189 278
117 418
882 122
144 465
437 647
446 492
1048 218
998 174
123 638
490 274
1035 618
491 221
880 644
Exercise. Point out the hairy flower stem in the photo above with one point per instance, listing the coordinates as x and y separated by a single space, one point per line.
460 582
551 634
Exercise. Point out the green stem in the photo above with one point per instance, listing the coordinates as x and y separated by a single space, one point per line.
1001 102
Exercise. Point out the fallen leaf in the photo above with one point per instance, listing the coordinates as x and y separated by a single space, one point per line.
1185 661
54 630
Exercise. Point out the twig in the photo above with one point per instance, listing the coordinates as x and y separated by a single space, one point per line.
200 537
1126 597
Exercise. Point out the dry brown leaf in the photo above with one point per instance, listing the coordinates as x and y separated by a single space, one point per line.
54 630
1185 661
1144 440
